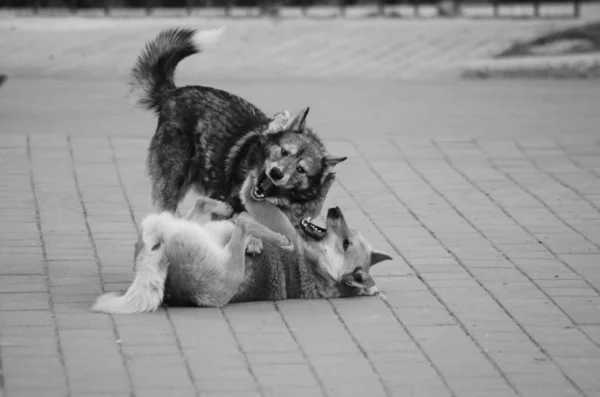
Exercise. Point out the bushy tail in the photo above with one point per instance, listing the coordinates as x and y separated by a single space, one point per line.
145 294
154 70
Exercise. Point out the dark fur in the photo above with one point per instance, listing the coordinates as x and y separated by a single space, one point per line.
209 139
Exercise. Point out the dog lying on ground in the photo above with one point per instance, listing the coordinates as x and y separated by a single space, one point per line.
198 261
209 140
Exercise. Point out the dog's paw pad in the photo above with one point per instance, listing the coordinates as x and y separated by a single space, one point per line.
254 247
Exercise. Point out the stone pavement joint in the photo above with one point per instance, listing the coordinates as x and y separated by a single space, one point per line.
445 248
481 283
51 303
94 247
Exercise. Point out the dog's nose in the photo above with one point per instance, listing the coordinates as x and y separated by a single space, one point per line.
275 174
334 213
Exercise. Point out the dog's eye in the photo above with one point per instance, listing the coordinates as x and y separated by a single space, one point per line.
157 246
284 152
300 170
346 244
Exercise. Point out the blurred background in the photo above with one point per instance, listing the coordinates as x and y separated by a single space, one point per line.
392 8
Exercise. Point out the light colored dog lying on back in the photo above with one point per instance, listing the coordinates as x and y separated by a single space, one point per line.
202 262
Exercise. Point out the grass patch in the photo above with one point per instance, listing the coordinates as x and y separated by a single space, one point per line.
576 40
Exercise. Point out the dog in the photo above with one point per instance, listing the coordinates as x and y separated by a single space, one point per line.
208 139
201 262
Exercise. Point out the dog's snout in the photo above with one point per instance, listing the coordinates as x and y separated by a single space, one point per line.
334 213
276 174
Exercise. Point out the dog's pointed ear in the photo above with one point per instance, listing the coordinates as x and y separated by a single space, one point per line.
331 161
378 256
359 279
299 121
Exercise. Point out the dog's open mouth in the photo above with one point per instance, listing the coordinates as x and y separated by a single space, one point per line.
263 187
312 230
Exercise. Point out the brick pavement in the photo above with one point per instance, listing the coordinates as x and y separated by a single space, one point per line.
493 290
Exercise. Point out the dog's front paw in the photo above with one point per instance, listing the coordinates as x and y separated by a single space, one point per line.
206 205
372 291
278 122
225 210
285 243
254 247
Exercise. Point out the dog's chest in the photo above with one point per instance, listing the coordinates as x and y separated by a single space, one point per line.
267 277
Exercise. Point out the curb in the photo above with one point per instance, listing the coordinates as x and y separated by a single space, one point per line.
573 66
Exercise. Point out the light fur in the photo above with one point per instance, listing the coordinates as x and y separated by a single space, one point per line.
215 247
146 292
204 39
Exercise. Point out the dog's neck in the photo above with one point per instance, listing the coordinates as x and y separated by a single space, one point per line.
316 282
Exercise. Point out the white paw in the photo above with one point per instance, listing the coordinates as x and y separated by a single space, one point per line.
255 246
286 244
279 122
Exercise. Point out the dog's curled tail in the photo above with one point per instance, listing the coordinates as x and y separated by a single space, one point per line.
145 294
154 70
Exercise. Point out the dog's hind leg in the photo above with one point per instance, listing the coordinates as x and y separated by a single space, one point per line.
169 165
146 292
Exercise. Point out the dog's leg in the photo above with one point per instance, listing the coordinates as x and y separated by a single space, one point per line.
229 279
169 161
167 193
254 247
204 208
252 228
266 213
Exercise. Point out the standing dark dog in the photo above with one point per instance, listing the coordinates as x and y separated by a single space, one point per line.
209 139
